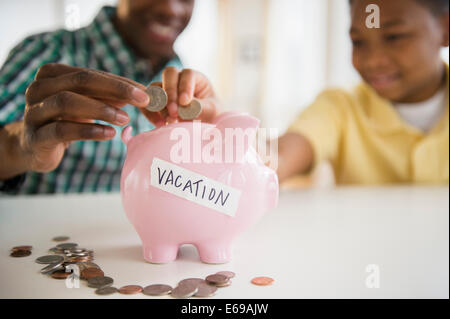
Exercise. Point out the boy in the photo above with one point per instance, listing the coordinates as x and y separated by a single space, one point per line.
393 128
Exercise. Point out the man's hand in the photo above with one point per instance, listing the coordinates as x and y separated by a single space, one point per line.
181 87
62 104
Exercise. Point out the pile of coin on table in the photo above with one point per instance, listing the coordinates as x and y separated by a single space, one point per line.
58 266
158 103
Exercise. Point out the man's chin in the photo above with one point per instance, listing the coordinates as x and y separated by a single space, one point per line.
158 53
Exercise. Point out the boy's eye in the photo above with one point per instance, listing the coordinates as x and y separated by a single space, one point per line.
394 37
357 42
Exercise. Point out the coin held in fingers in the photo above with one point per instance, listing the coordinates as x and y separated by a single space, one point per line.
191 111
158 98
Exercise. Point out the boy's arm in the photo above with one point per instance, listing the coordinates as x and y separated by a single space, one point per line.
313 137
295 155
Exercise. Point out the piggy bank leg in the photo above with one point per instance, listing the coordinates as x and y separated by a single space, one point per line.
159 254
215 252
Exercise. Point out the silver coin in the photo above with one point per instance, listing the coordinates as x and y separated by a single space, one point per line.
190 111
61 238
229 274
225 284
205 290
106 291
157 290
52 268
56 250
184 291
79 254
50 259
67 245
100 282
191 281
217 279
158 98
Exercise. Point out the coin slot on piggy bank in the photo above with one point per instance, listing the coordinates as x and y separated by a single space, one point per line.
202 199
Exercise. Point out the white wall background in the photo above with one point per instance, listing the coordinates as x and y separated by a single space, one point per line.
268 57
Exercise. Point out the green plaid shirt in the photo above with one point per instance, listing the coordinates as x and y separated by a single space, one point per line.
87 166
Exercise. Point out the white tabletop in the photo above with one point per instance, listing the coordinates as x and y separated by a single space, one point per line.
316 244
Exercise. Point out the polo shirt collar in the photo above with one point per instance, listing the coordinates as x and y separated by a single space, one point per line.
382 115
110 48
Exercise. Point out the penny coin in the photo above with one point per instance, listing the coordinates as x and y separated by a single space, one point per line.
217 279
60 238
20 253
52 267
205 290
158 98
60 274
67 245
50 259
191 111
157 290
191 281
262 281
100 282
184 291
83 265
130 289
91 273
106 291
229 274
27 247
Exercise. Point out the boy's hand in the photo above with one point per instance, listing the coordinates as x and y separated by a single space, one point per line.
181 87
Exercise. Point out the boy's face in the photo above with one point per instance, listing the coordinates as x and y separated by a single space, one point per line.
152 26
401 59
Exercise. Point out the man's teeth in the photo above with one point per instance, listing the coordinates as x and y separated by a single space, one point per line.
162 30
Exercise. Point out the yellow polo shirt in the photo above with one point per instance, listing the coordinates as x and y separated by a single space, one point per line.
367 142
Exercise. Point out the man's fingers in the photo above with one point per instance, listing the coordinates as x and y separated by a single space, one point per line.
170 85
186 86
51 70
65 105
87 82
156 84
66 131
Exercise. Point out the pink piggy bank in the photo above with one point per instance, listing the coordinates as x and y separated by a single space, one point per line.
180 185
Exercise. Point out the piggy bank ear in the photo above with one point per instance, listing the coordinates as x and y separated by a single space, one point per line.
224 115
126 134
238 131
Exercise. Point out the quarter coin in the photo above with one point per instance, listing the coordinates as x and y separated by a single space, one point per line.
190 111
184 291
158 98
50 259
100 282
157 290
106 291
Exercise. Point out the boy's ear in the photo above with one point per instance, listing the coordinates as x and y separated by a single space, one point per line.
445 25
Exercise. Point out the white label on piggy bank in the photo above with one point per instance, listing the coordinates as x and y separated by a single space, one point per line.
194 187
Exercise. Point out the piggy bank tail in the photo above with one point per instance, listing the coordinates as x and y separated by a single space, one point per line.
126 135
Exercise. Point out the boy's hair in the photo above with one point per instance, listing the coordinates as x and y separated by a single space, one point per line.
437 7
